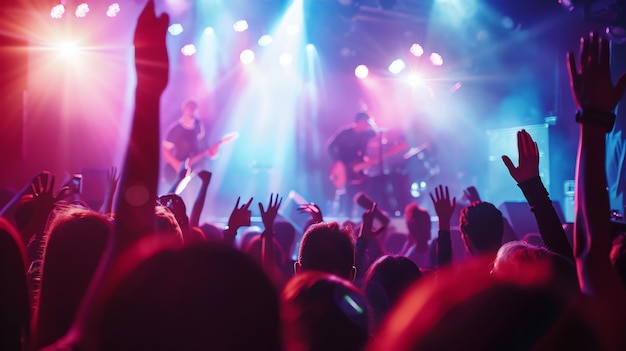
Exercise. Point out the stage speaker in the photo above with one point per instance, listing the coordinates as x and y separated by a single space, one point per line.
521 217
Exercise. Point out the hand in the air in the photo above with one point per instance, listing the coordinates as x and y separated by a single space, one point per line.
591 82
367 224
444 207
241 216
528 158
313 210
151 60
269 216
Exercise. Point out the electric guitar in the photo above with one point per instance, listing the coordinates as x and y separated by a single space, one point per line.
342 174
171 170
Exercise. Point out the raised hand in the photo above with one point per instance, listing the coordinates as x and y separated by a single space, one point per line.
151 58
471 194
269 216
591 82
44 200
528 158
240 217
367 224
313 210
444 207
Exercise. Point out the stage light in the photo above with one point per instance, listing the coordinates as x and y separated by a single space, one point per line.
57 11
397 66
417 50
113 10
246 56
188 50
310 47
436 59
265 40
285 59
67 49
175 29
82 10
414 79
361 71
293 30
240 26
209 31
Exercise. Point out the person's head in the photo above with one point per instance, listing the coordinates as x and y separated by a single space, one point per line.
77 238
385 281
327 248
463 308
362 122
163 296
166 223
14 301
418 223
481 228
523 263
323 312
212 232
189 107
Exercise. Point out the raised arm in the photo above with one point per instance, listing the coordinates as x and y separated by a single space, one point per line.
138 183
596 97
444 207
239 217
269 216
113 178
198 205
526 174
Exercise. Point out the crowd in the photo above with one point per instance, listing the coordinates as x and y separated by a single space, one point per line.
141 274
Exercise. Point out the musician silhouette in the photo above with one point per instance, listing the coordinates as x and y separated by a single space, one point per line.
185 139
348 148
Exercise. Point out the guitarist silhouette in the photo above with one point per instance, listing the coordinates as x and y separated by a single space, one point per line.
185 140
348 147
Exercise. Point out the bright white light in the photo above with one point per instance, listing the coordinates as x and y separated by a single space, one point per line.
188 50
265 40
436 59
414 79
246 56
361 71
209 31
397 66
417 50
292 29
113 10
57 11
67 50
285 59
310 47
175 29
240 26
82 10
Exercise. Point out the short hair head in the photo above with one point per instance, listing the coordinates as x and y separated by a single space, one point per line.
323 312
328 248
417 222
481 227
189 104
361 116
385 281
